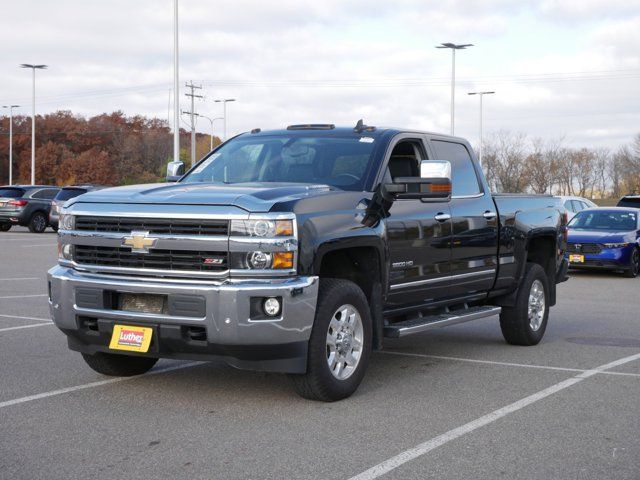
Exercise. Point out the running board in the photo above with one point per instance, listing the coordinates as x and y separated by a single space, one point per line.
421 324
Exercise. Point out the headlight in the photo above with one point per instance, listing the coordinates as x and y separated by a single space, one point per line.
262 228
616 245
265 260
66 221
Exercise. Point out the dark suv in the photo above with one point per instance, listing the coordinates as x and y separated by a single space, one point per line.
67 193
26 205
632 201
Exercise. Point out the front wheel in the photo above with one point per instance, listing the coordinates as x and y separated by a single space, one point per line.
38 223
634 265
526 322
340 343
5 227
119 365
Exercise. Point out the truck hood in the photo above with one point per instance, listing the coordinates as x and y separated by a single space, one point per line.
252 197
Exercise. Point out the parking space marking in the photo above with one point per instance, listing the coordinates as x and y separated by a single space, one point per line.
22 239
425 447
19 279
99 383
505 364
23 296
25 326
26 318
40 245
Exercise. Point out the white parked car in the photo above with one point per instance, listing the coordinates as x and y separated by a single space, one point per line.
574 205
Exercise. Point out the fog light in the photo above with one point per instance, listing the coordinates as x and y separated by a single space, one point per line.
271 306
259 260
65 251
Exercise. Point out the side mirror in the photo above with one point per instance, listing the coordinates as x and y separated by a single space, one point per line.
433 184
175 170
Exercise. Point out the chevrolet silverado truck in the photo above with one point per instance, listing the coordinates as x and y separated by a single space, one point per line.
299 251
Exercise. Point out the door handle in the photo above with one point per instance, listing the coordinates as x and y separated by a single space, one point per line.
489 215
442 217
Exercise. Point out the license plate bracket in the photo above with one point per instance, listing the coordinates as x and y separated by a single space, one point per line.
131 338
142 303
575 258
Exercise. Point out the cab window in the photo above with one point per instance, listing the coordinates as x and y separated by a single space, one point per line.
464 181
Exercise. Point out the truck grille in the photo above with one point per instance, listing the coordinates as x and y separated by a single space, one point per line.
156 259
584 248
171 226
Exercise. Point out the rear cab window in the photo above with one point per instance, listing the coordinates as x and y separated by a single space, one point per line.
464 180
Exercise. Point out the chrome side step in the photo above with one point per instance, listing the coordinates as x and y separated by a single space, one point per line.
421 324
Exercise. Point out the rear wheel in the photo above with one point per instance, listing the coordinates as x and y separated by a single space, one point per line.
634 265
340 343
5 227
38 223
526 322
119 365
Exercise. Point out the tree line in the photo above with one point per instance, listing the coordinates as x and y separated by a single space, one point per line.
108 149
516 163
115 149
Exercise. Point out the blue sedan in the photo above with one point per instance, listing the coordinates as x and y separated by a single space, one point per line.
605 238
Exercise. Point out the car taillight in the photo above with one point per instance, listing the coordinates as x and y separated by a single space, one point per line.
18 203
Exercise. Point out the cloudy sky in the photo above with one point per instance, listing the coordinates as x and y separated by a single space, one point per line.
559 67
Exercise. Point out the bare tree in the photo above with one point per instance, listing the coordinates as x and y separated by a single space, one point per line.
504 157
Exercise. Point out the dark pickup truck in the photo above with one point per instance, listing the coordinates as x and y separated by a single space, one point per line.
299 251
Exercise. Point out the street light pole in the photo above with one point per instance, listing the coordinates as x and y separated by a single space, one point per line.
480 94
453 48
176 87
33 117
10 107
224 114
211 120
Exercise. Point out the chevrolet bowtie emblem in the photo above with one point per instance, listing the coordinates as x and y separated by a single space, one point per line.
139 242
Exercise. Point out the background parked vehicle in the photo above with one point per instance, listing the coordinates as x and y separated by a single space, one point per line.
67 193
574 205
26 205
605 238
632 201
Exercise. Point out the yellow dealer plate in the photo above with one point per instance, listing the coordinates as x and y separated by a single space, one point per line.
133 339
576 258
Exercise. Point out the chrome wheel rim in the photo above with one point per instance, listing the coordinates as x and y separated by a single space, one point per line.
536 305
344 342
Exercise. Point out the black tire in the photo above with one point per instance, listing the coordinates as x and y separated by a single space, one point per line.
119 365
55 229
5 227
634 265
38 223
319 383
514 321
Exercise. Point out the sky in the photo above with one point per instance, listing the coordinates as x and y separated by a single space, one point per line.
560 68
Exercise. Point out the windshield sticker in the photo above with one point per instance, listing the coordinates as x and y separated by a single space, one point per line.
206 163
366 139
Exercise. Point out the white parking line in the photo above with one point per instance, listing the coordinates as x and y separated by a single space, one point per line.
22 239
61 391
425 447
26 318
504 364
25 326
24 296
18 279
41 245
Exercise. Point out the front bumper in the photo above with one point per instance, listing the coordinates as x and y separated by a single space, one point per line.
225 326
607 259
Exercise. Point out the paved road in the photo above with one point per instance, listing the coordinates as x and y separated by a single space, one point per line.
455 404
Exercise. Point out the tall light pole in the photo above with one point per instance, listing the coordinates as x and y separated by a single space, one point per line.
10 107
176 87
33 118
480 94
453 48
211 120
224 114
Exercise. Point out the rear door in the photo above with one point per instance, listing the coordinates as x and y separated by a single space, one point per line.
474 249
419 234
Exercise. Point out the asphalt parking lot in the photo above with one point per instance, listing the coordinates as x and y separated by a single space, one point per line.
455 404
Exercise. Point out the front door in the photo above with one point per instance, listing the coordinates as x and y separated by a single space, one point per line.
419 235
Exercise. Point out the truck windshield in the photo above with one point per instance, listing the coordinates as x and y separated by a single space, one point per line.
604 220
341 162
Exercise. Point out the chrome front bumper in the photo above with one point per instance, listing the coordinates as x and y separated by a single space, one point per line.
277 344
